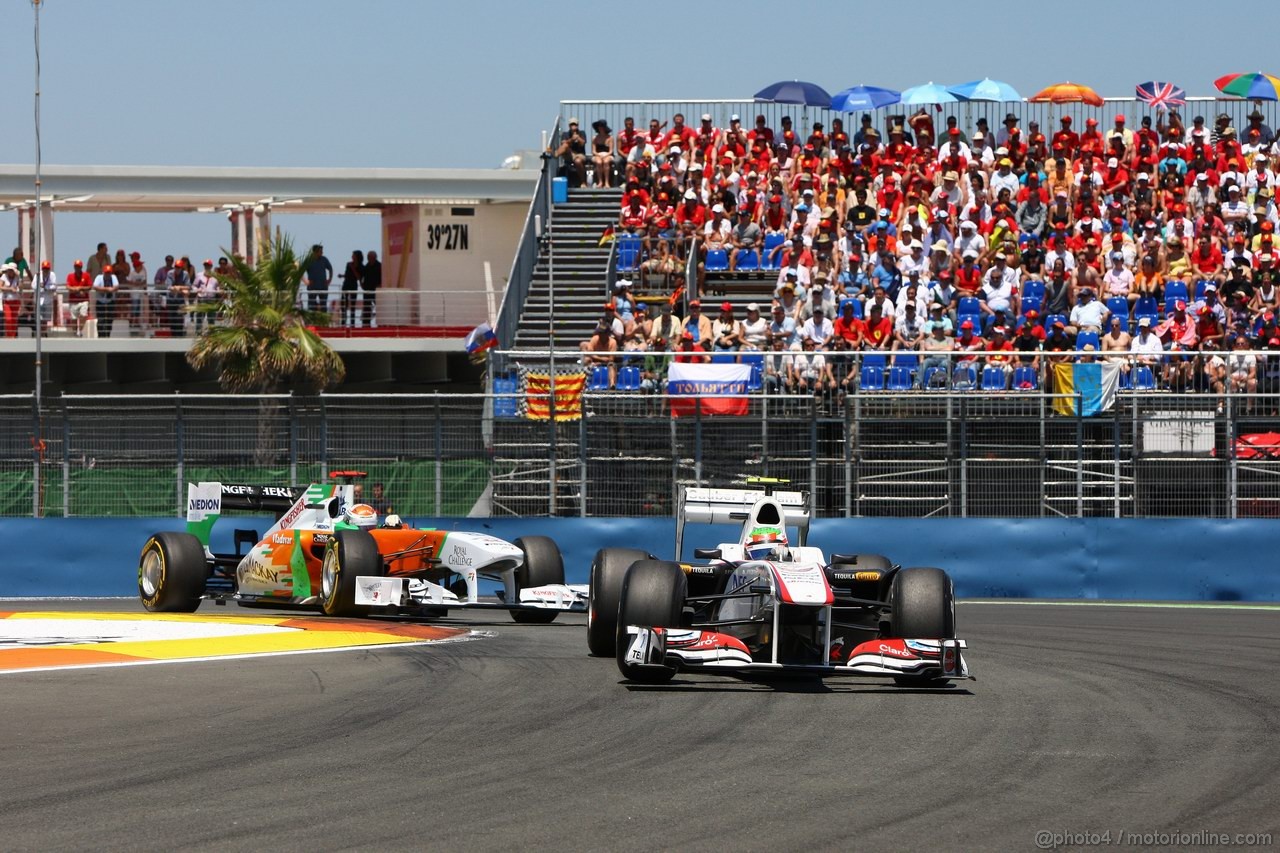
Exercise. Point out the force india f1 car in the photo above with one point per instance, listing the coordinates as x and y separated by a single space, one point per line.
760 606
328 553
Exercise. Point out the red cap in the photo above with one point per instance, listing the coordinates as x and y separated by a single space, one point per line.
687 336
1274 342
775 199
1092 122
208 263
44 265
608 306
1057 324
1180 305
1120 119
106 268
697 303
1032 314
955 131
726 306
180 264
1066 119
967 324
79 263
135 255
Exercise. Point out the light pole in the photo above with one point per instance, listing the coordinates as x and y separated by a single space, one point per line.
37 443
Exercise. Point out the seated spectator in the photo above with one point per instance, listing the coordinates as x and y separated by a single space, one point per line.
1000 350
847 326
638 329
1117 340
690 351
601 349
602 153
653 375
810 370
782 325
1059 341
877 332
817 328
666 328
1242 367
1088 315
1146 347
698 325
572 154
755 330
1118 281
624 304
745 237
726 331
1178 333
778 366
908 331
1027 344
937 347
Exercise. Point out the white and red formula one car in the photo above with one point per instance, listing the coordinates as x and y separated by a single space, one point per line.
761 606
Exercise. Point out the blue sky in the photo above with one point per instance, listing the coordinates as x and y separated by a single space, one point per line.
421 83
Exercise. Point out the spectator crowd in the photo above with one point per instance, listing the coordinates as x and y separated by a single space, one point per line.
1007 247
108 288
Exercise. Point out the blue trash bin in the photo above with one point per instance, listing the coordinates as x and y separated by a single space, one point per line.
559 190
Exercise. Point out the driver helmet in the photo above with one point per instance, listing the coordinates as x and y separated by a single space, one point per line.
764 542
361 515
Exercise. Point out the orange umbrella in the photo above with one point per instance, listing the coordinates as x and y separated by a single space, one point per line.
1068 93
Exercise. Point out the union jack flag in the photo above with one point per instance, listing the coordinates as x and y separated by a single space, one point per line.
1161 95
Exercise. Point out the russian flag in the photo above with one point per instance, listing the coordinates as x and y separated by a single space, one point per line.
715 389
480 339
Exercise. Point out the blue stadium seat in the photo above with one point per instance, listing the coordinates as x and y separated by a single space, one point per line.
1146 306
899 379
717 260
931 378
857 307
1199 291
909 360
1033 290
1030 303
1143 379
1170 304
976 319
748 261
1055 318
969 305
628 253
771 242
964 378
628 378
756 381
872 379
994 379
1175 289
877 360
755 359
1025 379
1085 338
599 378
1119 306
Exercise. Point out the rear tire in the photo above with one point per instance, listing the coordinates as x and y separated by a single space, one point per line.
608 570
653 596
351 553
542 565
172 571
924 608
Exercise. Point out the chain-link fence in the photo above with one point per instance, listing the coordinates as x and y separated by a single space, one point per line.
912 454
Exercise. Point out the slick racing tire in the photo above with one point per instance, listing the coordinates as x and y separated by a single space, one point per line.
542 565
653 595
924 608
351 553
172 571
607 572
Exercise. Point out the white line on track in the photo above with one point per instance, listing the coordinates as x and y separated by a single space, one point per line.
471 635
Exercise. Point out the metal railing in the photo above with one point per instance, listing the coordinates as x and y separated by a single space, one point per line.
946 453
966 113
527 250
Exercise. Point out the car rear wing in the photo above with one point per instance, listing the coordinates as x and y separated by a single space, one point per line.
732 506
207 501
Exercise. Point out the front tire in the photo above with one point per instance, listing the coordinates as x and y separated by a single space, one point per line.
653 596
542 565
351 553
172 571
924 608
608 570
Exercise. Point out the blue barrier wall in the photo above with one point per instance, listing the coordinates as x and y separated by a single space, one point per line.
1182 559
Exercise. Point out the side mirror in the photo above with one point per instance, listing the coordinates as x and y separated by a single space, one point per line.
844 559
707 553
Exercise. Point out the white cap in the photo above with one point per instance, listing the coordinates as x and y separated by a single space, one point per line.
968 223
690 194
1113 162
970 253
706 116
752 306
735 117
1143 176
719 208
1202 177
675 149
1144 322
621 283
916 244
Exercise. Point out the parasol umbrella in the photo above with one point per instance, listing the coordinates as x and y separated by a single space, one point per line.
985 89
1067 93
1255 86
794 92
863 98
1161 95
929 93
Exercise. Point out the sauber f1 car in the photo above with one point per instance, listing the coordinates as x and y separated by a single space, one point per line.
760 606
328 553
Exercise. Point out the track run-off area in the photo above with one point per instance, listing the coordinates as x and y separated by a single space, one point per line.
1085 719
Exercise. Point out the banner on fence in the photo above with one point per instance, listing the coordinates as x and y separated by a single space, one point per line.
535 394
717 389
1090 388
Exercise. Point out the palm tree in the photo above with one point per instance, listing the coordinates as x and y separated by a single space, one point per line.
262 338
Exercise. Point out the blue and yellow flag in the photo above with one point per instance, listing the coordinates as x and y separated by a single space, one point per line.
1085 389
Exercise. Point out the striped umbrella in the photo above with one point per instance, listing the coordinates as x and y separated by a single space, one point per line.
1068 93
1161 95
1255 86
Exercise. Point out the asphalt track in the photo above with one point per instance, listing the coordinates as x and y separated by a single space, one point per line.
1083 720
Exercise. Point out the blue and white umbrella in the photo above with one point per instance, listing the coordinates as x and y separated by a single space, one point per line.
985 89
794 92
929 93
862 98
